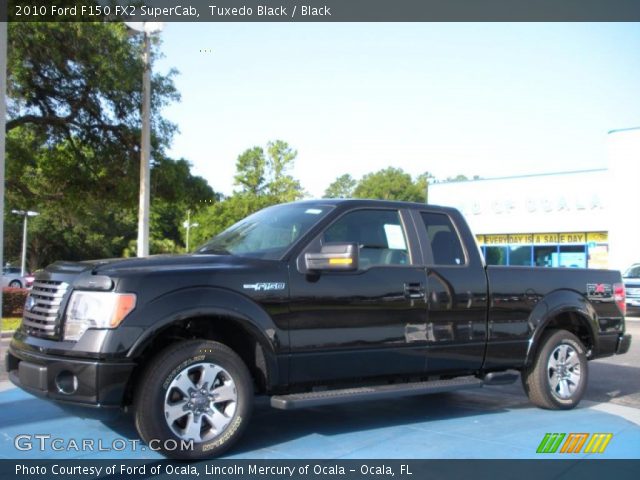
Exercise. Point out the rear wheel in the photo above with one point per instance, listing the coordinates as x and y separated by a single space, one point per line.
15 284
558 375
196 394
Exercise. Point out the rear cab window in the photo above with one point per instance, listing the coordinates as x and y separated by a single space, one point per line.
444 239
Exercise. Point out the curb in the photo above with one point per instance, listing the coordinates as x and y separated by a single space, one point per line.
7 334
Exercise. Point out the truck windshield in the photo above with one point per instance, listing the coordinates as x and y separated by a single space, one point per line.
268 233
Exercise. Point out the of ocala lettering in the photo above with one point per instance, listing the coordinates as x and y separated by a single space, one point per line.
308 10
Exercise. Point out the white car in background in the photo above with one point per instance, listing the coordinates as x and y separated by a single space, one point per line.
631 279
11 277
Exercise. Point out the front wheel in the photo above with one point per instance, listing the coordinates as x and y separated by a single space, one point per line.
15 284
558 376
194 400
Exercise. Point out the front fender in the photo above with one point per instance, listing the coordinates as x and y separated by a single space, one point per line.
554 304
181 304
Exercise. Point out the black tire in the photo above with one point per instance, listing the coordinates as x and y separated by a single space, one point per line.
15 284
160 399
552 382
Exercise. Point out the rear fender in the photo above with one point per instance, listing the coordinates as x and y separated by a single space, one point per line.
557 303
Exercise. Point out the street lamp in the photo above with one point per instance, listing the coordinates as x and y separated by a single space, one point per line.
147 28
188 226
25 214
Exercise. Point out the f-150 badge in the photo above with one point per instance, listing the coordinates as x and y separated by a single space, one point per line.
263 287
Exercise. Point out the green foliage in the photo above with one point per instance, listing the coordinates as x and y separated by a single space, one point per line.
342 187
261 174
423 181
251 168
73 135
263 181
13 301
281 186
389 184
82 82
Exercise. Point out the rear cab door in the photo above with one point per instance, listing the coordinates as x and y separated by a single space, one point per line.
457 294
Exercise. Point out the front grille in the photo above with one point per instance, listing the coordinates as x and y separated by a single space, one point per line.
42 311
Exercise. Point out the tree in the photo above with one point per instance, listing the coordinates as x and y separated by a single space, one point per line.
342 187
263 181
73 133
259 174
389 184
251 169
81 83
423 181
281 186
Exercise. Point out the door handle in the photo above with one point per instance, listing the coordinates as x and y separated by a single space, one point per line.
414 290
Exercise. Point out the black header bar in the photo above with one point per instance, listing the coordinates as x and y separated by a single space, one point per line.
584 469
321 10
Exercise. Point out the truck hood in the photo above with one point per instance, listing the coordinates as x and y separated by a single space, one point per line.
156 263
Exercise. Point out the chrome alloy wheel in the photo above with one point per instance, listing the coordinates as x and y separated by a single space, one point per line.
200 402
563 371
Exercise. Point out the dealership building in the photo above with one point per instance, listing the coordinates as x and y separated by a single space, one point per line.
569 219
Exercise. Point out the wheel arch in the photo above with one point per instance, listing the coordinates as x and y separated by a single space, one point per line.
566 310
212 314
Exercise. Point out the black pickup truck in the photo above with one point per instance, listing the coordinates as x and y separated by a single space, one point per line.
309 303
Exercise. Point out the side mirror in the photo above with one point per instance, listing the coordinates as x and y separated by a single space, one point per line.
333 256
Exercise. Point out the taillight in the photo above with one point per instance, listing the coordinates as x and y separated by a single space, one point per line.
620 297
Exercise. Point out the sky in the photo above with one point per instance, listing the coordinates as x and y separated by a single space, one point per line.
487 99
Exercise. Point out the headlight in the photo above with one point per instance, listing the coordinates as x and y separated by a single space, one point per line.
96 310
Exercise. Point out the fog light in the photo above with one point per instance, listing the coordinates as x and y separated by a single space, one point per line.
66 382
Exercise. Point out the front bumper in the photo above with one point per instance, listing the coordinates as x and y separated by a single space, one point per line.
74 382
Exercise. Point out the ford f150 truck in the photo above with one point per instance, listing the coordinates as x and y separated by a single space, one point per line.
309 303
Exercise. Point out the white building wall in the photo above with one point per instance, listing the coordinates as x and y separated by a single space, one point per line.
604 200
624 166
565 202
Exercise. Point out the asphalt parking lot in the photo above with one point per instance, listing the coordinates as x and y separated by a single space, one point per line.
493 422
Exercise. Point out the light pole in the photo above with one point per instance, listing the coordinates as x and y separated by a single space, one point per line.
25 214
147 28
188 226
3 122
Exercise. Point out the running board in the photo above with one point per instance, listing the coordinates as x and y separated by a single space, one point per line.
378 392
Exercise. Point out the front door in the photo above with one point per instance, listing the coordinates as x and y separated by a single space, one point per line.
365 323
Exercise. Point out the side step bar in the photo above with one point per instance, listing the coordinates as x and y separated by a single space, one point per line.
378 392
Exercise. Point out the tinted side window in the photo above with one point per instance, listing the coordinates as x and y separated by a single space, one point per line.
445 243
379 234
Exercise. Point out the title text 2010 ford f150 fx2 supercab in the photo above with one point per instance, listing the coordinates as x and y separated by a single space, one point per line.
310 303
